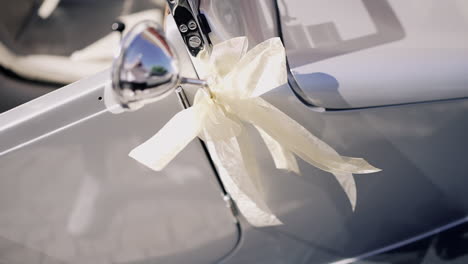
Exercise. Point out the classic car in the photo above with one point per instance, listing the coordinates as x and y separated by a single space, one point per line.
385 80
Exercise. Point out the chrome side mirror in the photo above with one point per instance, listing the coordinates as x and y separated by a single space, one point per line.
146 68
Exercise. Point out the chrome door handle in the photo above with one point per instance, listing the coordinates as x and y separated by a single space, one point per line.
192 25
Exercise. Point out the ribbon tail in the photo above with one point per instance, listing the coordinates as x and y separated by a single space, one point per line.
348 184
283 158
361 163
251 167
240 174
294 137
164 146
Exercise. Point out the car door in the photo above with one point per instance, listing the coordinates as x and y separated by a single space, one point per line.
383 80
69 193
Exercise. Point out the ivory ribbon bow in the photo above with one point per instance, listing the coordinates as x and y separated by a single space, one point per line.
236 79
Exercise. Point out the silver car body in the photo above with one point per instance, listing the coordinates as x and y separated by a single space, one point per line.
391 77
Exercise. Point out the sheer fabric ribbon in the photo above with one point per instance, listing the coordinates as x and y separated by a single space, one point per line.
236 79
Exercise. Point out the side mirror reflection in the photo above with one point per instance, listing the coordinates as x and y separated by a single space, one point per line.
146 68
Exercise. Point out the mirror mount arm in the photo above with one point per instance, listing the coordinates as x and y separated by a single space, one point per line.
199 83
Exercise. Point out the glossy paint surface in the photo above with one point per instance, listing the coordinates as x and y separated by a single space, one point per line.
69 193
359 53
421 147
445 247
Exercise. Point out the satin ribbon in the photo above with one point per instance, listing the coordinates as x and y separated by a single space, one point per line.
236 79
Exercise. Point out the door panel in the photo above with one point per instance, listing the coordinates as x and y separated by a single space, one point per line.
69 193
360 53
421 146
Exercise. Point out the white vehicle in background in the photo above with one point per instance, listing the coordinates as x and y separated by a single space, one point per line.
385 80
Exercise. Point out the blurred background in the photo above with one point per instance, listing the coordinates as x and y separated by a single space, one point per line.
46 44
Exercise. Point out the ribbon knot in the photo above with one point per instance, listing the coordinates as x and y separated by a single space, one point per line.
236 80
